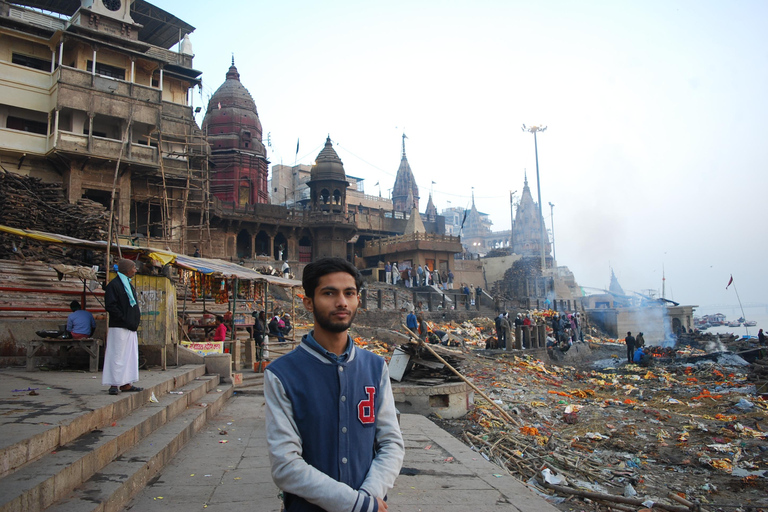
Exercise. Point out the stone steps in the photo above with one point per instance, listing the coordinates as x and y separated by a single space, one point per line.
116 445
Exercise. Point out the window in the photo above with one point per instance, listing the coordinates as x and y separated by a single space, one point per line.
31 62
26 125
107 70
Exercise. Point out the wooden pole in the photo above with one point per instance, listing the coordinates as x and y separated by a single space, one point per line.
611 497
416 340
114 189
293 313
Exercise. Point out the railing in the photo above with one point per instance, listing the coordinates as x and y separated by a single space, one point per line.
180 59
110 86
105 148
279 212
429 237
24 141
36 18
34 80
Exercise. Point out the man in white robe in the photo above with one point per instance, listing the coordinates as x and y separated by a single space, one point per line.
121 357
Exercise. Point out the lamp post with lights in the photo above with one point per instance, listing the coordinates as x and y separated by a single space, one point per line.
552 220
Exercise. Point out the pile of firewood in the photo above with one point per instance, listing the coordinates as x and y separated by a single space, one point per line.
29 203
758 373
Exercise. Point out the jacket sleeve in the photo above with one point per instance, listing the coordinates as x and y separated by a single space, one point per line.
390 449
112 301
291 473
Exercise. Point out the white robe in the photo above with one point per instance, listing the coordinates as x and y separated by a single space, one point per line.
121 358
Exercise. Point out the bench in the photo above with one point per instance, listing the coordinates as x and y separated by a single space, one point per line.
90 345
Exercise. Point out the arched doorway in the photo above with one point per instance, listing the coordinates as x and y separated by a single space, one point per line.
280 247
305 250
676 325
262 244
244 245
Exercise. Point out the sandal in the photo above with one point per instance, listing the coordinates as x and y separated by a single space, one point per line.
132 389
113 390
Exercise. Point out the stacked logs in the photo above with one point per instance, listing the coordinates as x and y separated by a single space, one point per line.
29 203
758 373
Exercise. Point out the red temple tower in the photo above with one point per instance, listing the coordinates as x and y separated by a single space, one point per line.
234 132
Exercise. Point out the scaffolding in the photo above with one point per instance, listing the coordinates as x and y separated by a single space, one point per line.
187 192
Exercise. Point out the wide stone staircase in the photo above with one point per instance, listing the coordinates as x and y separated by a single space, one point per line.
66 445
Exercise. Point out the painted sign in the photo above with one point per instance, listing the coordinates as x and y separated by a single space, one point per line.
205 347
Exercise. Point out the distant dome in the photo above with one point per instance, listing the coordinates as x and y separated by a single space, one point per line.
328 165
230 110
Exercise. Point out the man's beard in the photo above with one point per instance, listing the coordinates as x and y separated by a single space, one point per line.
329 325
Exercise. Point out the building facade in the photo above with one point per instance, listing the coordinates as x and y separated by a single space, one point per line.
94 99
233 129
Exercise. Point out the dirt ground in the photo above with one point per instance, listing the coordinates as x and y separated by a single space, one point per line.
622 437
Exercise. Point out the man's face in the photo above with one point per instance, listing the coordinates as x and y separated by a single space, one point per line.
131 272
335 302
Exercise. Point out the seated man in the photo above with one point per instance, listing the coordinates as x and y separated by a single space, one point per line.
276 326
641 357
80 323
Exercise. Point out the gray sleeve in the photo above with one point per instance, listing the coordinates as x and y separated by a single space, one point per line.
290 471
390 449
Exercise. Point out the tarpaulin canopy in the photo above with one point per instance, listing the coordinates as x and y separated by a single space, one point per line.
206 266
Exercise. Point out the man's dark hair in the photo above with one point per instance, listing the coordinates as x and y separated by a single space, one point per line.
317 269
74 305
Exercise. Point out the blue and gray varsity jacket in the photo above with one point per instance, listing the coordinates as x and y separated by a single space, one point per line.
334 441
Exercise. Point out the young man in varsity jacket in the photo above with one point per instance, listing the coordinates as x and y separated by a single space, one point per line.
334 441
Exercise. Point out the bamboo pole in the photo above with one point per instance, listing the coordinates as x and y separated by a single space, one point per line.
416 340
114 189
610 497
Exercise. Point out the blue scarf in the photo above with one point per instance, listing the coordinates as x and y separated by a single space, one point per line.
128 290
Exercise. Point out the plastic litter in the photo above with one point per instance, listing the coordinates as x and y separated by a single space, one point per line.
553 479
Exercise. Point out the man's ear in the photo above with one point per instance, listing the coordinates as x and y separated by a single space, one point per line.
308 304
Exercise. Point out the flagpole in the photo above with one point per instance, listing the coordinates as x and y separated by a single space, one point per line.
742 308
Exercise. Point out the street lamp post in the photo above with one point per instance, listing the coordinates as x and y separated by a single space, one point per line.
552 220
534 130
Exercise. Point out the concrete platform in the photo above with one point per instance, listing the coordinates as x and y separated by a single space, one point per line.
439 473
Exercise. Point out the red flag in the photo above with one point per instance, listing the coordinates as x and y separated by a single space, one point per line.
729 282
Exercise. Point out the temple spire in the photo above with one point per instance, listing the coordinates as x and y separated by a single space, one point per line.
233 58
404 137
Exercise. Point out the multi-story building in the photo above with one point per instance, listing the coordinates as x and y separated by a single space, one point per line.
92 97
288 187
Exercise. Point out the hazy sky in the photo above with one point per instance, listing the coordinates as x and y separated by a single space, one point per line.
655 156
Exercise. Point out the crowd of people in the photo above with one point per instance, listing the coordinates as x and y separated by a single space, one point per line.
419 276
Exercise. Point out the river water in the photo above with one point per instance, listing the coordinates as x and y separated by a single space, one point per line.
758 314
